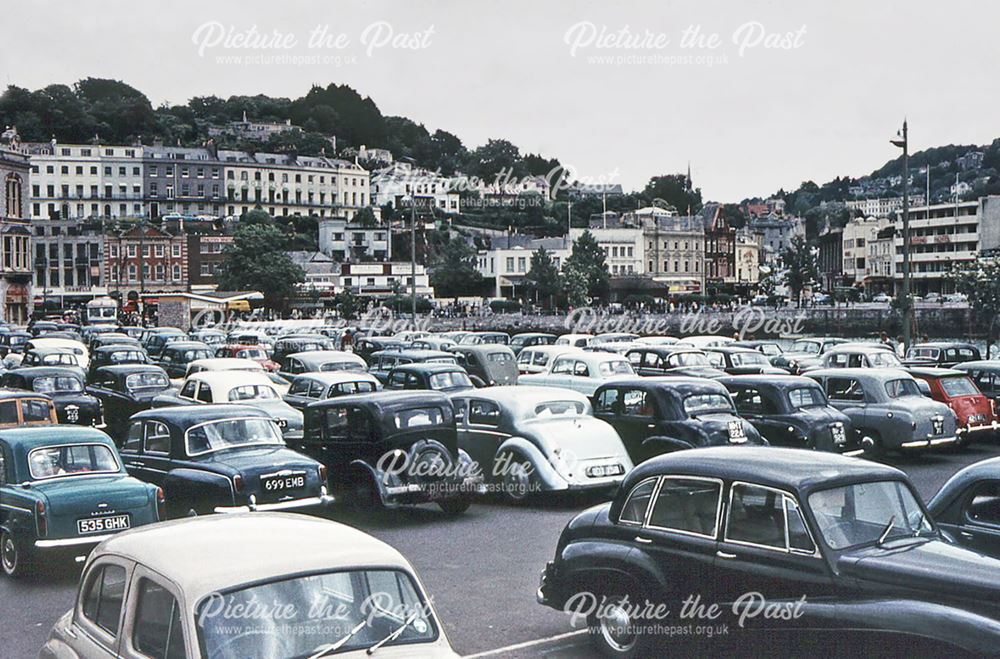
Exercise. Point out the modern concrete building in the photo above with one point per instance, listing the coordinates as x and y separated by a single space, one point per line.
343 240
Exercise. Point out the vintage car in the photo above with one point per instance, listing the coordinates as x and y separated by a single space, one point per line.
685 361
657 415
446 378
528 440
253 352
47 356
409 336
805 353
847 542
574 340
223 364
113 338
302 566
488 365
518 342
208 336
432 343
479 338
115 355
657 340
74 346
318 361
156 337
383 362
967 507
975 412
857 355
124 390
741 361
536 359
26 408
175 356
581 371
65 387
42 327
887 409
986 375
791 410
242 387
13 342
942 354
88 332
291 344
706 341
391 448
311 387
770 349
220 458
64 489
366 346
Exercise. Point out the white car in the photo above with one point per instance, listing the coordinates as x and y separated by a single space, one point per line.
536 358
706 341
581 371
657 340
882 298
575 340
76 347
339 592
235 364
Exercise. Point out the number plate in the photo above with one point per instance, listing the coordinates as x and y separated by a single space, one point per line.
283 482
736 433
108 524
938 425
838 434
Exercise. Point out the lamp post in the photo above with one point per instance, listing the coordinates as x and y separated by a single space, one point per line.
413 259
901 139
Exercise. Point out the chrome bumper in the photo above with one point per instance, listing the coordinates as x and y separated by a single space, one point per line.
309 502
72 542
968 429
924 443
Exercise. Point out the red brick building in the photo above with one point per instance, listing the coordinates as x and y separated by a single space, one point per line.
146 259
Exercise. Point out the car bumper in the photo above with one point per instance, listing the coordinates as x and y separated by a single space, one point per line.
420 492
545 594
72 542
970 428
292 504
926 443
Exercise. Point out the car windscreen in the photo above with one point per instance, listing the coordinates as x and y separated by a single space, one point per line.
500 357
251 353
861 513
902 387
884 359
231 433
449 380
126 356
57 384
688 359
748 359
342 366
71 460
416 417
616 367
252 392
151 380
923 353
441 360
805 347
958 385
706 403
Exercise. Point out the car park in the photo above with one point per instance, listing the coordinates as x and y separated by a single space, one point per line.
115 355
530 440
768 348
365 347
321 360
887 409
311 387
155 338
113 338
63 489
480 338
384 361
241 387
294 343
220 458
536 358
124 390
518 342
74 346
674 360
46 356
488 365
391 448
208 336
658 415
805 353
942 354
581 371
13 342
792 411
432 343
299 564
176 356
446 378
66 389
706 341
976 414
849 539
741 361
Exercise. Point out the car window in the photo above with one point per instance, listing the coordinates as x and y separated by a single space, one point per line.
316 390
748 400
959 385
652 360
418 417
844 389
687 504
636 402
562 367
634 510
397 379
102 600
35 411
499 357
250 392
716 359
300 387
608 401
580 369
634 357
806 397
157 632
8 412
757 516
205 393
157 438
902 387
134 438
187 391
984 506
484 412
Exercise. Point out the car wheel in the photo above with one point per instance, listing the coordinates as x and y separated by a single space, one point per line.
362 493
455 506
13 559
516 480
615 633
871 441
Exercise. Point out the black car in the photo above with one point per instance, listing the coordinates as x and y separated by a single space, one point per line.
113 338
829 542
382 362
369 345
741 361
790 410
43 327
448 378
768 348
289 345
126 389
176 356
655 360
115 355
967 507
220 458
658 415
392 448
942 354
65 387
14 342
518 342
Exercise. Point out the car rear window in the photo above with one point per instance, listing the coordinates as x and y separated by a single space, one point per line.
72 460
959 385
416 417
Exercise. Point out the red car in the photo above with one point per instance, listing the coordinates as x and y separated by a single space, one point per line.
244 351
975 412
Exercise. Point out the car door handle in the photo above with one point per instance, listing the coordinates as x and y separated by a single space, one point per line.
724 554
136 464
966 534
651 425
645 541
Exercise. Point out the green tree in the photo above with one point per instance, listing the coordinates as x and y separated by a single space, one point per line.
676 190
256 261
454 271
574 284
587 261
979 280
346 302
365 217
543 280
800 267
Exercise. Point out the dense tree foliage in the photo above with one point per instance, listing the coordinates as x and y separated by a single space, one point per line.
257 261
453 272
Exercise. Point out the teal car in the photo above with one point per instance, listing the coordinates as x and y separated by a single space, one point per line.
63 489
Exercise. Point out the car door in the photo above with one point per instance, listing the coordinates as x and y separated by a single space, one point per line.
632 412
561 373
298 393
154 462
100 608
978 525
582 379
155 624
848 396
483 435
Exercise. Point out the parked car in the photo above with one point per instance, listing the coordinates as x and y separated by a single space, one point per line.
518 342
574 340
74 346
124 390
536 359
942 354
791 410
220 458
848 539
805 353
176 356
882 298
391 448
432 343
113 338
242 387
446 378
976 414
857 355
366 346
887 409
986 375
706 341
46 356
658 415
208 336
479 338
311 387
581 371
63 490
288 345
301 564
26 408
768 348
615 337
65 387
488 365
384 361
321 360
13 342
741 361
967 507
529 440
254 352
657 340
42 327
115 355
156 337
685 361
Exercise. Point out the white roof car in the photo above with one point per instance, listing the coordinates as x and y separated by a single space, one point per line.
302 564
706 341
581 371
77 347
224 364
536 358
576 340
313 361
245 388
657 340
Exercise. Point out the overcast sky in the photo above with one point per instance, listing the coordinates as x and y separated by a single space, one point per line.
750 119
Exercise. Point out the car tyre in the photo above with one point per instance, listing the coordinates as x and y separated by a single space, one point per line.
615 633
363 494
14 559
455 506
516 482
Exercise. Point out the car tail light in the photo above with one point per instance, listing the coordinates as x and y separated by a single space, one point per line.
238 483
161 504
993 407
41 519
322 474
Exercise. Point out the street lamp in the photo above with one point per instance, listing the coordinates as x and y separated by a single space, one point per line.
901 140
413 258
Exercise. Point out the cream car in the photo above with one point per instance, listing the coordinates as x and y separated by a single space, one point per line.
581 371
170 590
536 358
77 348
236 364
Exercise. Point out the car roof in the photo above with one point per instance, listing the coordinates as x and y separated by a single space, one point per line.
126 369
944 344
861 373
388 399
52 350
119 347
550 348
521 395
426 367
32 372
326 356
482 347
417 354
271 546
227 378
31 437
977 364
233 364
20 393
728 349
776 380
336 377
184 416
928 372
669 383
185 345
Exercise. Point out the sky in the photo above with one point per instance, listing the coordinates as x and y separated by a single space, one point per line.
756 96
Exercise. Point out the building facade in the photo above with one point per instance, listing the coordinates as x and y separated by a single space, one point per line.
381 279
831 259
205 254
776 234
15 246
146 258
882 206
507 265
858 234
182 181
391 185
69 260
720 247
674 250
622 241
343 240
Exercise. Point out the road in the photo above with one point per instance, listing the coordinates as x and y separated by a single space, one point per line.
481 569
